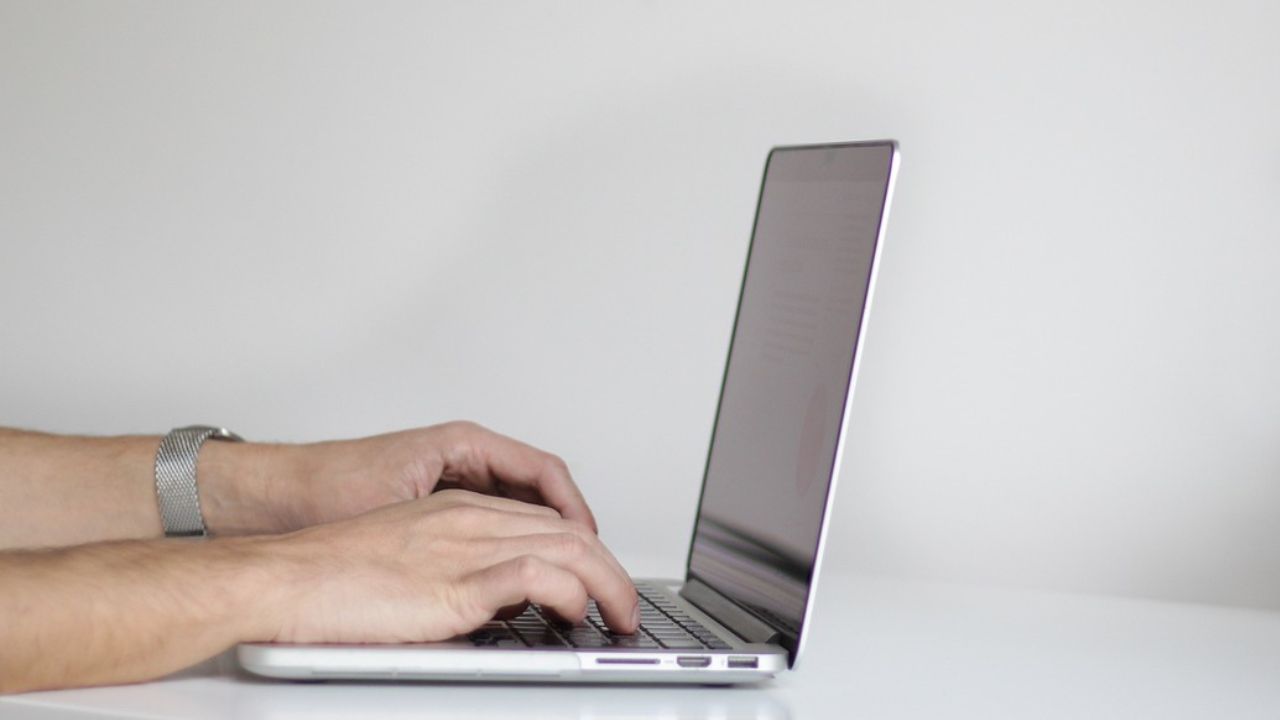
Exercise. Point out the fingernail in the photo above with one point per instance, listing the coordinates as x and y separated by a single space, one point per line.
635 616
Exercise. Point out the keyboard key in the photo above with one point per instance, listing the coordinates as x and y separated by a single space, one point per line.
669 631
663 622
587 637
545 638
638 640
680 643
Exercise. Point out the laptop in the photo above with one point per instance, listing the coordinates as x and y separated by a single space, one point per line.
742 612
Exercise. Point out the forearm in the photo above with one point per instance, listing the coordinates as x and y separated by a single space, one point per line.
130 611
61 490
58 490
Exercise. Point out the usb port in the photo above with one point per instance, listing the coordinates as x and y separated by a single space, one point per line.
693 660
742 661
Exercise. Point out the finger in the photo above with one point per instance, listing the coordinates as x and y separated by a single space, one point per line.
526 579
592 541
465 520
477 522
493 502
494 458
590 562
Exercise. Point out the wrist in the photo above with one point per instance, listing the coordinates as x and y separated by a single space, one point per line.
291 571
257 575
246 488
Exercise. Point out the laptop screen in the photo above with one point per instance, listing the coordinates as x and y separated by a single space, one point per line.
789 373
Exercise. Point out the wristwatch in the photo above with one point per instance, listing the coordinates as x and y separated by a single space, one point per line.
176 478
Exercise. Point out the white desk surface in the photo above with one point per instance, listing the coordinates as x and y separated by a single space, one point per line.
888 648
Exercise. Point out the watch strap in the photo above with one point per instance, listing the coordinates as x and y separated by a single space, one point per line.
176 490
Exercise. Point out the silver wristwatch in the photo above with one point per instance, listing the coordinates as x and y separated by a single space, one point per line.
176 478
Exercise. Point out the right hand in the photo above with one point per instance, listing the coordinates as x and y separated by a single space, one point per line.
440 566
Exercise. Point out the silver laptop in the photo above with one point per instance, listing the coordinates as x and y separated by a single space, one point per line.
742 612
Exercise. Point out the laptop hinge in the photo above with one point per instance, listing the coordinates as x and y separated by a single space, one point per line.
727 613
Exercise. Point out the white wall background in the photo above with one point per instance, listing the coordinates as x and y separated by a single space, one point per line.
309 220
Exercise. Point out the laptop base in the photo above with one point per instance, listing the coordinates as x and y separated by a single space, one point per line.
460 660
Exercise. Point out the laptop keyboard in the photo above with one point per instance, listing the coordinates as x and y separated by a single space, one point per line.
662 625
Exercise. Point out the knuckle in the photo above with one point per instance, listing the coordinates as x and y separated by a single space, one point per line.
557 464
528 569
464 427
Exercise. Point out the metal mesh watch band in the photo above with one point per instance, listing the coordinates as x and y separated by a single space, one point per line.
176 478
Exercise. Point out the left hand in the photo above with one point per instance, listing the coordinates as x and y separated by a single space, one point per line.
249 488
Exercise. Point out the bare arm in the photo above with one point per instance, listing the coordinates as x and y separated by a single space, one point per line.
349 540
415 571
126 611
58 490
62 490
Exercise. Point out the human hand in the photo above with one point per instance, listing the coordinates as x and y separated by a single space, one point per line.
422 570
437 567
248 488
